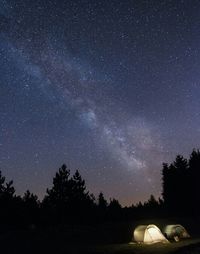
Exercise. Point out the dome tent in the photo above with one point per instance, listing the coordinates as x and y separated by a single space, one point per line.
177 230
148 234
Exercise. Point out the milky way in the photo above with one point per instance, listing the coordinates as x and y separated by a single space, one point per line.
110 89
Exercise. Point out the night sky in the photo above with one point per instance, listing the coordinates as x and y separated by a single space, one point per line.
108 87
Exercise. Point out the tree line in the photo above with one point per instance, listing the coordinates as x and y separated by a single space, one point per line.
69 202
181 185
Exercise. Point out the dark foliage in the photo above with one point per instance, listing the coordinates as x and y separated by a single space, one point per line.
69 202
11 205
68 199
181 185
31 209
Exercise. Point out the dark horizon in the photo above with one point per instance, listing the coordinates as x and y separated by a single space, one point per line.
111 89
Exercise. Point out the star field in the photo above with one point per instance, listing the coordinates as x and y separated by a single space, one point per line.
108 87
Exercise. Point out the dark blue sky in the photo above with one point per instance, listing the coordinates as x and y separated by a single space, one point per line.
108 87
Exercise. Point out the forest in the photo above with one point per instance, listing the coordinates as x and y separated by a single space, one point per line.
69 202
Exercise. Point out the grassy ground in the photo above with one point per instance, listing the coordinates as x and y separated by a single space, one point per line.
30 246
181 247
108 238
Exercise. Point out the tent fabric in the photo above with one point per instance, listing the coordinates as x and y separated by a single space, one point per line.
148 234
176 230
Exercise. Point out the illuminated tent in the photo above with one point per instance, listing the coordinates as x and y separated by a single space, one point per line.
177 230
148 234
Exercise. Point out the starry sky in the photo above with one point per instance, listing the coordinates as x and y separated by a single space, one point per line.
108 87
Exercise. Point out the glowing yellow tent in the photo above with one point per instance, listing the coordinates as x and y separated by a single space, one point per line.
148 234
172 231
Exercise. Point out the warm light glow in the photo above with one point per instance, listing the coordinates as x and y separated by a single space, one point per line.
148 234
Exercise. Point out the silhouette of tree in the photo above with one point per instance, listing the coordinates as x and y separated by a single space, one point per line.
175 180
114 209
152 207
2 181
7 189
80 200
114 205
193 181
30 200
79 193
166 184
152 202
102 206
57 198
68 196
30 208
10 203
59 193
102 202
68 200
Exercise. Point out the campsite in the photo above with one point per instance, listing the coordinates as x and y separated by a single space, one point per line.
109 238
99 126
71 220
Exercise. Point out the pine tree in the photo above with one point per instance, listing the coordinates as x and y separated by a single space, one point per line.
60 192
175 194
102 202
30 200
2 181
68 196
193 181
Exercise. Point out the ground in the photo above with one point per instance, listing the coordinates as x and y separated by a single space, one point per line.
29 246
109 238
186 246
